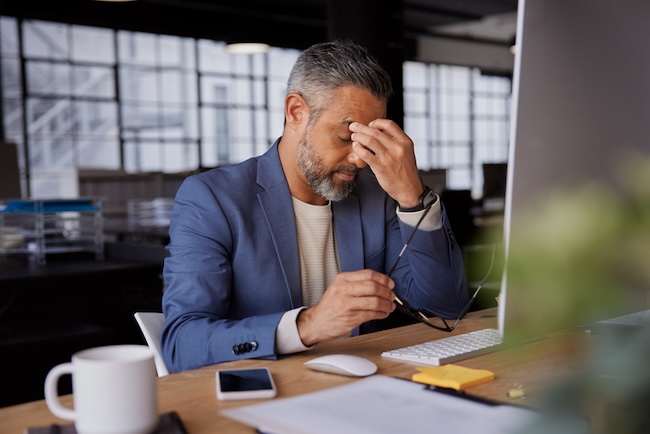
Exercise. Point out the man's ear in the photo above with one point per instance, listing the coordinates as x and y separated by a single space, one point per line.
296 111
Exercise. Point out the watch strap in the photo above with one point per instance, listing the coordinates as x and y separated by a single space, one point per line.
426 198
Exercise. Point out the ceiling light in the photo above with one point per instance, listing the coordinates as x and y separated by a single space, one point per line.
247 48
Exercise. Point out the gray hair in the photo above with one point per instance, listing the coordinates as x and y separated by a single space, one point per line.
325 67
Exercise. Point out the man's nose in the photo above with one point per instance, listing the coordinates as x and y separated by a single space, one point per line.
353 158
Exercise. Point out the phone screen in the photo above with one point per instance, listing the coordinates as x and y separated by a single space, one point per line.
245 380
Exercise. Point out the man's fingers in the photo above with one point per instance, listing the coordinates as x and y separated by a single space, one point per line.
367 280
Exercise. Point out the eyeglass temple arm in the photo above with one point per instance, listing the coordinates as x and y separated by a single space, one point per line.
418 315
417 225
480 285
467 307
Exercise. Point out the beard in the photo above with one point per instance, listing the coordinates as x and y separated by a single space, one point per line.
320 178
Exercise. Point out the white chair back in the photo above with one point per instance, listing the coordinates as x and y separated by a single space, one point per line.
151 325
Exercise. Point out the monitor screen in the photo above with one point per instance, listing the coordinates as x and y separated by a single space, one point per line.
581 108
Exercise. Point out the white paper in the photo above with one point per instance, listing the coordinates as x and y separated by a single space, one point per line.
381 404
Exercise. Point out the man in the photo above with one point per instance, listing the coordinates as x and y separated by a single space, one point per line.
285 250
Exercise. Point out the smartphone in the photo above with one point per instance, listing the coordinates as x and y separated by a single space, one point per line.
245 384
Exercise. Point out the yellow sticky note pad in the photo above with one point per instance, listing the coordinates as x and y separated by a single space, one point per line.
452 376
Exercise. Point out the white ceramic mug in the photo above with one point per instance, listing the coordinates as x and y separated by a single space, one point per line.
114 390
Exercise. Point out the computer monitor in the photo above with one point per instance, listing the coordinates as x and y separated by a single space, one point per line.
581 102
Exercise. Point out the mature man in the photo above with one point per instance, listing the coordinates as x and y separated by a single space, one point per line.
291 248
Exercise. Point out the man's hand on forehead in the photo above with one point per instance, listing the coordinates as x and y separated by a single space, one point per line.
390 154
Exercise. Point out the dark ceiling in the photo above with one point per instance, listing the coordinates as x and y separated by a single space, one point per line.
283 23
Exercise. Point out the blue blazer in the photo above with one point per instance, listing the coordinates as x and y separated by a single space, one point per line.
234 265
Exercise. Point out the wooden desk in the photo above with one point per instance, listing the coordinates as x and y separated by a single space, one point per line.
192 393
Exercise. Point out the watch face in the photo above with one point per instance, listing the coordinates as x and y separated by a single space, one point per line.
429 198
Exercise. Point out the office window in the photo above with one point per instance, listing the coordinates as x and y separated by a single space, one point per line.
242 101
158 102
70 107
104 99
458 119
12 91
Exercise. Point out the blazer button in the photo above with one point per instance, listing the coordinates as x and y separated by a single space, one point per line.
452 239
235 349
254 346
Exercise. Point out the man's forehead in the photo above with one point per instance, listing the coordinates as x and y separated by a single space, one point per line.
351 104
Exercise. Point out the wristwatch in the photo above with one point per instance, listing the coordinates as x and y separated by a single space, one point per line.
427 198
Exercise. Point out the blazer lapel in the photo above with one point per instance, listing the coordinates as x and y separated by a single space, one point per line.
349 240
275 200
348 230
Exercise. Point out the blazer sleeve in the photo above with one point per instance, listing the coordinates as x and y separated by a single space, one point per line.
431 275
198 301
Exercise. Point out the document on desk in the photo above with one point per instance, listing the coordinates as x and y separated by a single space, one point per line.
381 404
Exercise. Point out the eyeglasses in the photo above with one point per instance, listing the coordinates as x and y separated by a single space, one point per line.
423 316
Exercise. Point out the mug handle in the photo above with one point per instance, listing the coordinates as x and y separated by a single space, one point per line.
52 395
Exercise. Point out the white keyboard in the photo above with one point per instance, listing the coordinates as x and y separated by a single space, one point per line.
450 349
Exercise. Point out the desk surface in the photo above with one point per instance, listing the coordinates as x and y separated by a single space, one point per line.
192 393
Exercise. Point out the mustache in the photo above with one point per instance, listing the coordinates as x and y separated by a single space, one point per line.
354 170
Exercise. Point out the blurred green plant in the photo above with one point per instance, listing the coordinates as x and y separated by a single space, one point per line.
586 250
584 255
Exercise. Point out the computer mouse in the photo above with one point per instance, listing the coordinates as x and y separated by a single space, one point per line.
342 364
